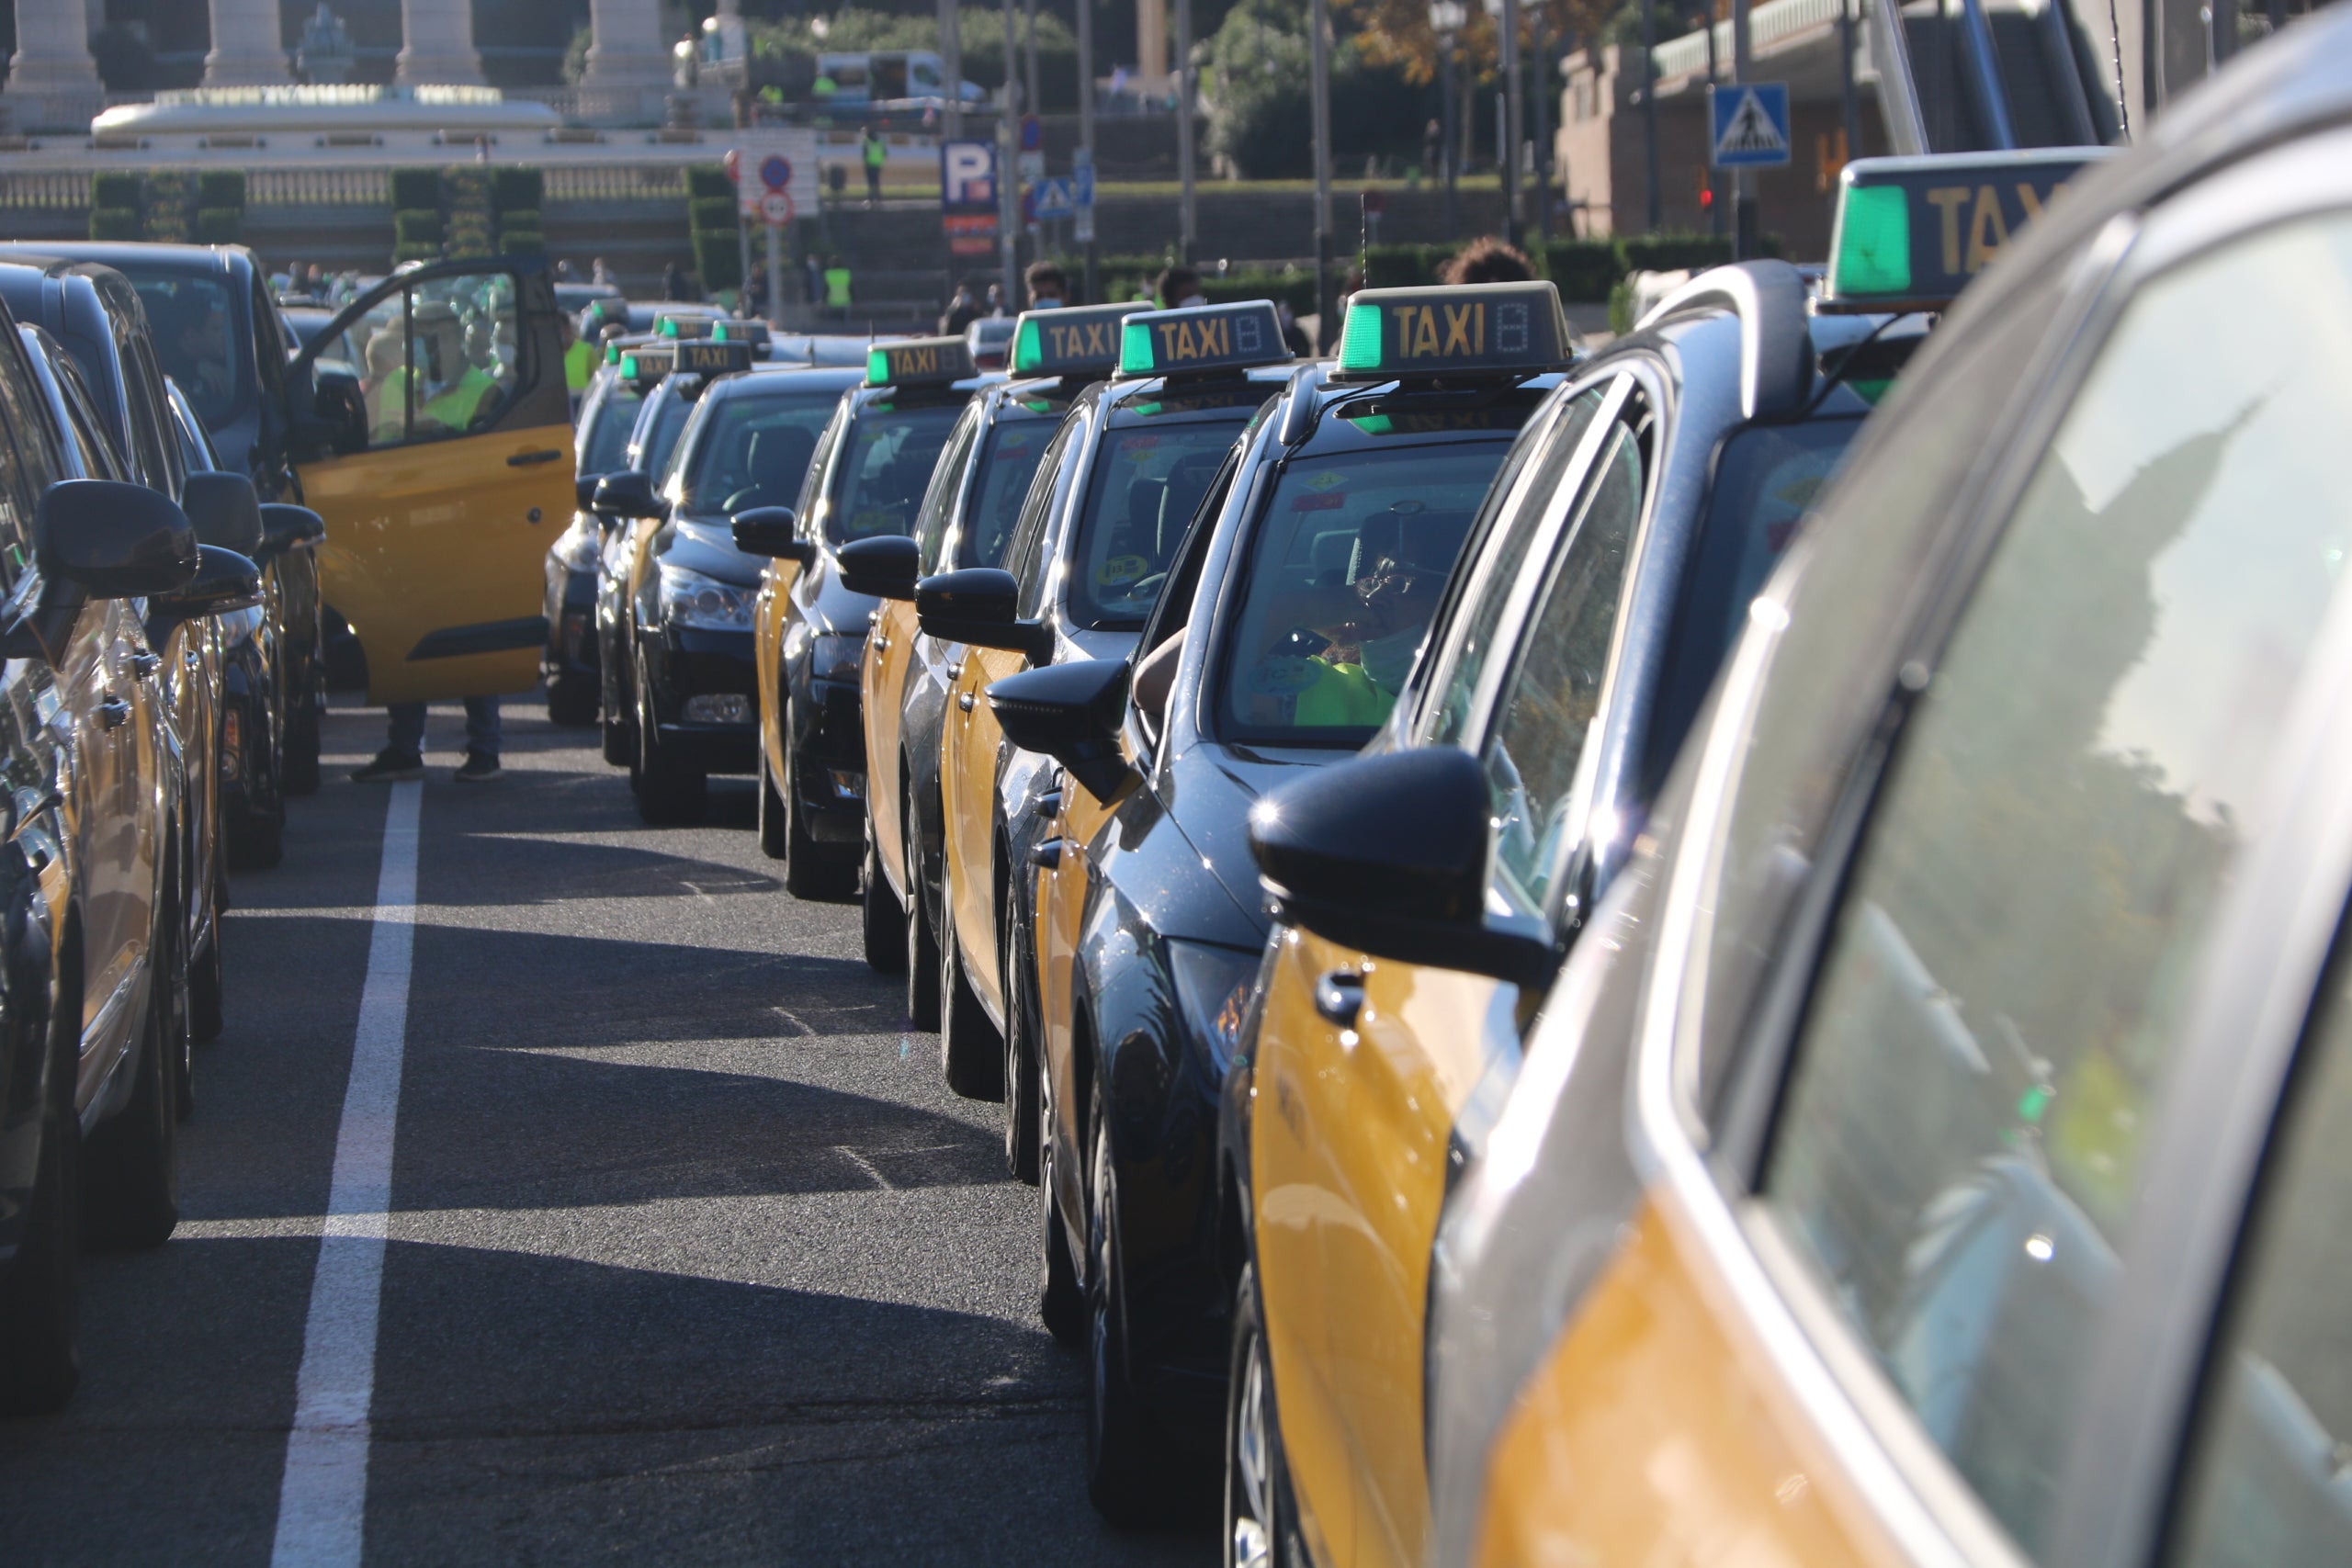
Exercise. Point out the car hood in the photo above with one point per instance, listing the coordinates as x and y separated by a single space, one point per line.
707 545
1210 789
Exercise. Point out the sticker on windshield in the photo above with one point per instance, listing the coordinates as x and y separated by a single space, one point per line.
1329 478
1283 677
864 522
1331 503
1121 569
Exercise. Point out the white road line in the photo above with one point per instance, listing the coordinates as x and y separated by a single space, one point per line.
865 1165
322 1503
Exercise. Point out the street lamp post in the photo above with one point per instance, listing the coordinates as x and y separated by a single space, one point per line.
1511 128
1447 17
1188 234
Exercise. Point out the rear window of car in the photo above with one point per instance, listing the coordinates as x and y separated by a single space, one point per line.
1146 484
753 450
194 322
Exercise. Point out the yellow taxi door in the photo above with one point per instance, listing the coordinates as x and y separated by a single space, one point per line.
882 684
971 743
447 473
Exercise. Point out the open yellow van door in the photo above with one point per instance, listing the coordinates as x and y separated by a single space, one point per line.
442 464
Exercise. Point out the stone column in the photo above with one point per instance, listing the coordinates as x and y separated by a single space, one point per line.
245 47
629 67
437 44
53 81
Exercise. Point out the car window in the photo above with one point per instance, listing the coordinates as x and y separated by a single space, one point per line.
946 482
1471 623
89 432
605 450
1026 558
751 449
886 467
1013 455
1552 697
1997 1010
193 320
155 452
1344 568
1140 495
443 360
2266 1480
820 470
29 459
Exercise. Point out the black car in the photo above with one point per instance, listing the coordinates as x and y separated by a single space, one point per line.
219 337
571 664
1289 623
746 449
872 467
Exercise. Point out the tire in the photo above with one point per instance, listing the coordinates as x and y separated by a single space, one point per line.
810 872
921 941
573 700
771 823
884 927
1261 1515
1127 1464
971 1052
668 792
620 744
1061 1298
130 1163
40 1360
1021 1032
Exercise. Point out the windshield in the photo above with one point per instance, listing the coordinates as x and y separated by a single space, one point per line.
1146 484
753 449
1006 468
1766 479
880 481
193 325
656 445
604 449
1345 570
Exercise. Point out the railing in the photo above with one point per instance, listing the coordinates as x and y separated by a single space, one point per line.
24 190
69 190
611 182
325 187
1767 24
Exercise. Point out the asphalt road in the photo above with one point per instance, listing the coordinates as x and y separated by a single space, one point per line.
690 1256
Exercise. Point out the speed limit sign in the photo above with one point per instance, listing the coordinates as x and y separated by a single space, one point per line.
776 207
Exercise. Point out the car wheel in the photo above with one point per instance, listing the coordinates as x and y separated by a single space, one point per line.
1061 1299
40 1360
620 742
1020 1055
668 791
1127 1464
883 924
620 746
130 1162
572 700
810 871
971 1052
1260 1528
922 941
771 810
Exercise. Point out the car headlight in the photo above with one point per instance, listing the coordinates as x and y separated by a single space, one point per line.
1213 985
577 549
836 656
690 599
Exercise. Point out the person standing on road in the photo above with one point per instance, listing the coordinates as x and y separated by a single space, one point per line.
837 289
404 753
1049 288
962 312
1180 286
877 153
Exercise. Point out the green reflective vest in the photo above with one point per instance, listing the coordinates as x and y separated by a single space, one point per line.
837 287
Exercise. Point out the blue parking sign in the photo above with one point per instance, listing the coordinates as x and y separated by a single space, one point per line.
1750 121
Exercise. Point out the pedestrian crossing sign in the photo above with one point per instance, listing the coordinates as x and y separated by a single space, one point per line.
1750 122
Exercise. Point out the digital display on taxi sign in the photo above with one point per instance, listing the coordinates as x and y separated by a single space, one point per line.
1202 337
1911 233
1069 341
708 357
1472 329
920 362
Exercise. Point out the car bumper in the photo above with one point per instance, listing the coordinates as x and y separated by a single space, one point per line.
828 762
704 694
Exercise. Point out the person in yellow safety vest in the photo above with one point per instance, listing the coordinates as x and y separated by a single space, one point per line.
449 389
579 363
877 153
1355 680
837 287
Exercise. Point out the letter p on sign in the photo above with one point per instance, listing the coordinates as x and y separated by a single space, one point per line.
967 174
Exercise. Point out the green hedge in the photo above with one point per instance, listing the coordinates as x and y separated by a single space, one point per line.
114 224
711 215
117 190
221 188
705 181
1296 289
1583 270
716 261
521 242
219 225
1673 252
518 217
402 254
413 190
518 190
418 226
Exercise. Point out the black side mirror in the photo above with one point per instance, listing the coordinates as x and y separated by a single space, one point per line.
224 511
1388 854
113 540
773 532
583 491
628 493
285 526
980 606
1070 713
338 419
225 581
884 566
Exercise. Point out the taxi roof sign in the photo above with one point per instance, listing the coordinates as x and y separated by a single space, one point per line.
707 357
1910 233
1069 339
920 362
667 325
732 330
1466 329
1202 338
648 362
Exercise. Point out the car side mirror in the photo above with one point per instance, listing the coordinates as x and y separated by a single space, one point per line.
583 491
628 493
224 511
772 532
337 420
1070 713
224 580
883 567
286 526
1388 854
978 606
113 540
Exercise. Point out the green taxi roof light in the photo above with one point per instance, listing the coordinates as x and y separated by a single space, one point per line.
668 327
1874 252
1134 349
629 367
1359 338
1478 330
877 368
1028 348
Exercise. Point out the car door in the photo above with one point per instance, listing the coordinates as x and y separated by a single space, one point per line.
772 604
450 472
1370 1061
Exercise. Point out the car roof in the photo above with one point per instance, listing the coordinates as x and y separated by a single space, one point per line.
146 256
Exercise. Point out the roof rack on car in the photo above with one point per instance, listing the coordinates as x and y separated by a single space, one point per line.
1775 336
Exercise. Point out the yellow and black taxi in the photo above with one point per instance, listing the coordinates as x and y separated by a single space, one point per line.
1427 892
1940 1155
1284 635
572 665
966 520
1112 497
873 464
687 614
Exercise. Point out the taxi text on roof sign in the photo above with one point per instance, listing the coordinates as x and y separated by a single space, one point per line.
1202 337
1069 339
709 358
1910 233
1514 329
682 326
649 363
923 361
